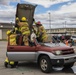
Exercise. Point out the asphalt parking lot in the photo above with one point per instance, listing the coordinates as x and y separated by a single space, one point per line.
28 68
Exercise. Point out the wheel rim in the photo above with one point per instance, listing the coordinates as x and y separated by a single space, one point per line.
43 64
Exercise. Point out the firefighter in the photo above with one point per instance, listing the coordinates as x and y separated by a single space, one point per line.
17 31
24 28
7 62
41 32
12 39
66 42
38 34
8 33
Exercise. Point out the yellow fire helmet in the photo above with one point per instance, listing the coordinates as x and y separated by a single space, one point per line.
16 28
8 32
17 18
23 19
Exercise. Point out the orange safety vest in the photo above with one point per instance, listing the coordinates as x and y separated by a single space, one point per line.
66 42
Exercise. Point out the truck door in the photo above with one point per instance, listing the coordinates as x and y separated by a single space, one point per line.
21 53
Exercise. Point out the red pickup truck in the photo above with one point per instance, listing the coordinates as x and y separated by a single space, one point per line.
45 54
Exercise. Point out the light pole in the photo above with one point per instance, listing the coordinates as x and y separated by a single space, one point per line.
65 27
50 21
12 24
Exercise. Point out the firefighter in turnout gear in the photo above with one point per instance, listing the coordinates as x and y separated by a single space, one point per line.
17 31
12 34
12 41
41 32
24 28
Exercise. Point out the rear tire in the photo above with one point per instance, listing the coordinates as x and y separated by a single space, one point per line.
45 64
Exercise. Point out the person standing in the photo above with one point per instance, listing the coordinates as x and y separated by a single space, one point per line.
66 42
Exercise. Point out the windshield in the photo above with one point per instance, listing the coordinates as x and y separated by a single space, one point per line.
54 44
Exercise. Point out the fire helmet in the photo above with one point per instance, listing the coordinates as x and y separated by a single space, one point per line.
23 19
38 23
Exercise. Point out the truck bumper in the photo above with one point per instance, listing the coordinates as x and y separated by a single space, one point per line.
63 59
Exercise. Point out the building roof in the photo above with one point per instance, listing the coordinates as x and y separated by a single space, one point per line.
6 25
62 28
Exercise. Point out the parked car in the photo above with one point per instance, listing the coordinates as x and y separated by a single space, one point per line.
74 38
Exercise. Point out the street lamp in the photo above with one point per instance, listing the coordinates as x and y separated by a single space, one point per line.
65 26
12 24
50 21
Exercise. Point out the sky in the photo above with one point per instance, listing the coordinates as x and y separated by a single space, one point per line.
51 13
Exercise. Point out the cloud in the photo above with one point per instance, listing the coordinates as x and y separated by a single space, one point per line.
58 17
6 2
66 9
46 3
56 20
15 0
7 13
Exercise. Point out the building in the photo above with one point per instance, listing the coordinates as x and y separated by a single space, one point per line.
69 31
4 27
9 26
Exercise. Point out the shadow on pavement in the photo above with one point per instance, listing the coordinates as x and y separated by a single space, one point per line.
28 66
62 70
31 66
